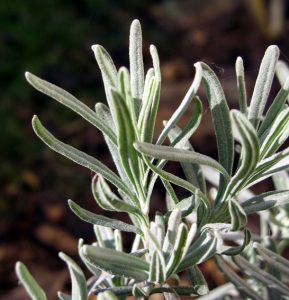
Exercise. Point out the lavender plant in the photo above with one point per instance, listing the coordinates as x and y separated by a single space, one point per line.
193 229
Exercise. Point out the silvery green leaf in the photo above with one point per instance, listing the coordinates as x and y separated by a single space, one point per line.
202 249
263 85
178 250
198 280
282 72
115 262
152 97
170 191
261 275
180 155
170 177
250 150
276 135
106 65
77 156
104 236
104 113
149 133
118 240
274 110
95 219
108 72
186 206
270 166
95 271
171 235
265 201
78 281
136 64
183 136
125 90
281 181
147 86
140 290
220 117
237 214
157 271
160 228
227 289
241 85
140 252
184 104
109 200
193 172
239 249
191 236
63 296
273 258
29 283
156 61
71 102
126 137
242 285
107 295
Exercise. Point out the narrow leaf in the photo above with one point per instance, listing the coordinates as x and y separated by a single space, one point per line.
202 249
198 280
282 72
63 296
78 281
104 113
261 275
29 283
108 72
109 200
276 135
95 219
178 250
241 85
180 155
237 214
250 150
171 235
71 102
116 263
193 172
263 85
77 156
266 201
242 285
126 137
220 116
184 104
272 258
274 110
156 61
136 60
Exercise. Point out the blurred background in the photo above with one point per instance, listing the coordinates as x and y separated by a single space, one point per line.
52 39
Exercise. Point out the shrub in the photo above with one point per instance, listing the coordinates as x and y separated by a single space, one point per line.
207 223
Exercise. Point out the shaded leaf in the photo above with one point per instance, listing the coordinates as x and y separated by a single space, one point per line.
29 283
95 219
78 281
115 262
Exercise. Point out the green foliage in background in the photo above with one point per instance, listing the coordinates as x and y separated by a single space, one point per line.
207 222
